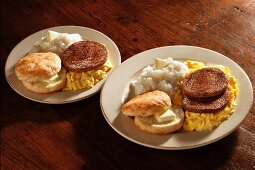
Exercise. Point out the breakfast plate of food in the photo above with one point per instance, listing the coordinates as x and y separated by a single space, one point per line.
176 97
61 64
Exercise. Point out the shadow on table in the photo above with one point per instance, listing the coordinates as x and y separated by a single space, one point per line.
15 108
102 147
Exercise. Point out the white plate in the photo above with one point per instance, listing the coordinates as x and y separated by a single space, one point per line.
58 97
112 94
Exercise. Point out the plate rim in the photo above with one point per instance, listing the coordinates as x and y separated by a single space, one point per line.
176 148
118 60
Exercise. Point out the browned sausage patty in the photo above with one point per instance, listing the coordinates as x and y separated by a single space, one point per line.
206 82
83 56
205 105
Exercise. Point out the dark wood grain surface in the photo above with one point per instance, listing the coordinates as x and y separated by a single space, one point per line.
76 135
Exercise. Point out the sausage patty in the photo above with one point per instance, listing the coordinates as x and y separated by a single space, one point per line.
205 105
83 56
206 82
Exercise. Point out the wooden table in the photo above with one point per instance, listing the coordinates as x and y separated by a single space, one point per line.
76 135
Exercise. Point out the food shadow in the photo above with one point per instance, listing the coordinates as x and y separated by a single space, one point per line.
94 137
99 143
212 156
13 110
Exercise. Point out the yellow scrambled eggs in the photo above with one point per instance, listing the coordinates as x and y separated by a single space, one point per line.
208 121
86 80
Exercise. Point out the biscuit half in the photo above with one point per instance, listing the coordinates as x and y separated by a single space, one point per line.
147 104
37 66
48 86
150 125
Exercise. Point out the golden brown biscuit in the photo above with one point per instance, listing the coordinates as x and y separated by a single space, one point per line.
38 66
147 104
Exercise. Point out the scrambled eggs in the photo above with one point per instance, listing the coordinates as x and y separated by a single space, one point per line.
208 121
86 80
